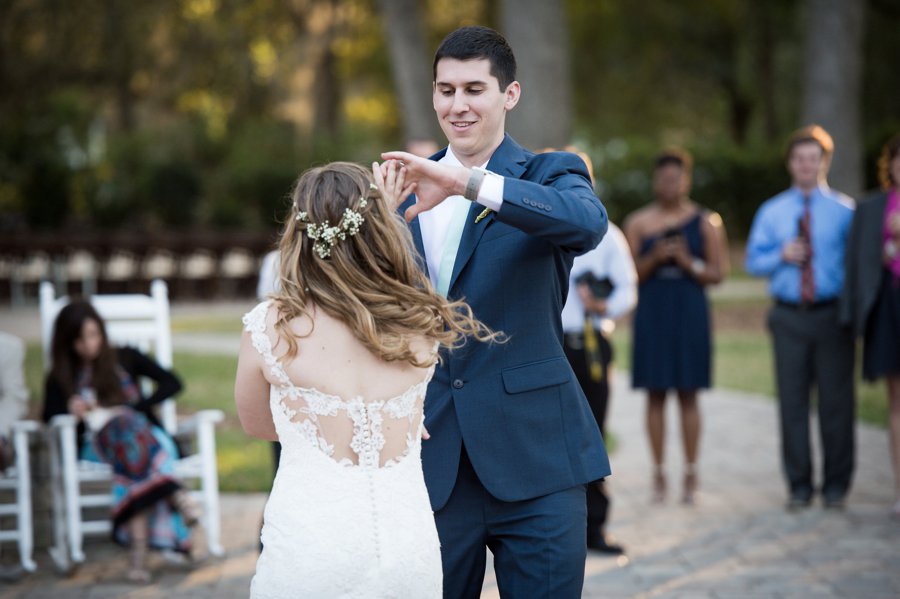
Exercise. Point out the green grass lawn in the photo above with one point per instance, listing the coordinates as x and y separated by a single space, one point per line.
743 361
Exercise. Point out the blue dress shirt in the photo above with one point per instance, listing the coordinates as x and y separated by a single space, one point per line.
776 222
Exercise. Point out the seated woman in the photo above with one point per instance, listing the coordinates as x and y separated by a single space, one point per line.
99 385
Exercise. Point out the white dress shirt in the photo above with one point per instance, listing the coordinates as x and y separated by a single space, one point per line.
611 259
13 392
433 223
268 282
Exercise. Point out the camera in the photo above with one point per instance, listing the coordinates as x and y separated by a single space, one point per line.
600 288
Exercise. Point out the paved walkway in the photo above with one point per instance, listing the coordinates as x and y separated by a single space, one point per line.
737 542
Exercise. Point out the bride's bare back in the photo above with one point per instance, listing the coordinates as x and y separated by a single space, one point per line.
331 359
357 408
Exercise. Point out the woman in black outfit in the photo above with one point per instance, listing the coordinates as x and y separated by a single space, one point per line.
99 385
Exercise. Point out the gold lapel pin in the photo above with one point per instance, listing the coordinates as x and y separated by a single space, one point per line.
481 216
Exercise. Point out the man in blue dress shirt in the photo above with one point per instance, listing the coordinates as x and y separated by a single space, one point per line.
797 240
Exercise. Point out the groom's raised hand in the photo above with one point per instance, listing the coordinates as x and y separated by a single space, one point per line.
435 182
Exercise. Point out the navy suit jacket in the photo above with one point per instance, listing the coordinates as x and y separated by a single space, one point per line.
517 406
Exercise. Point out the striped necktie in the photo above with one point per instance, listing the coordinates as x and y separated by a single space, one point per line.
807 280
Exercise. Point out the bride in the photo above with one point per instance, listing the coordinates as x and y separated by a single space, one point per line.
335 367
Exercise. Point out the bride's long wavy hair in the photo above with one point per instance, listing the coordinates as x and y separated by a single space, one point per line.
371 281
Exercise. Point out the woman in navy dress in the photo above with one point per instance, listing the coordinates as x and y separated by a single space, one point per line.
679 248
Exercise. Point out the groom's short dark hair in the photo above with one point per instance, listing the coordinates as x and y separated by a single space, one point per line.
477 42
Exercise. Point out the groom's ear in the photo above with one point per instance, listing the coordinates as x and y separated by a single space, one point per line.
512 93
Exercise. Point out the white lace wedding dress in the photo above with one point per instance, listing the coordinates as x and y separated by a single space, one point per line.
349 514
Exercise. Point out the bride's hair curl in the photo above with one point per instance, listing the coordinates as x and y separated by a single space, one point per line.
370 280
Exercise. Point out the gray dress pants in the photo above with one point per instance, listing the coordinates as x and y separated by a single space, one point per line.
813 350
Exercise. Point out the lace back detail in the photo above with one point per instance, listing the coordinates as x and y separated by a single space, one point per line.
351 432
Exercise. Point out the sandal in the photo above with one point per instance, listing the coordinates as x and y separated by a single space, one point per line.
659 486
690 485
138 576
187 507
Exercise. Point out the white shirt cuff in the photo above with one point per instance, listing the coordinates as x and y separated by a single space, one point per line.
491 193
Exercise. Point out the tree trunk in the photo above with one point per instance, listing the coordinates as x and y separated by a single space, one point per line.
764 65
410 66
537 32
327 99
119 48
832 83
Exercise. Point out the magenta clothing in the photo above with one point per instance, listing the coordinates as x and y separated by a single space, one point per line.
890 208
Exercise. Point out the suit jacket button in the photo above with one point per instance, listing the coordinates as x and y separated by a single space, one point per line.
458 383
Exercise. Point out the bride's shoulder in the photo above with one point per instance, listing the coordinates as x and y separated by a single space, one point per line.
255 320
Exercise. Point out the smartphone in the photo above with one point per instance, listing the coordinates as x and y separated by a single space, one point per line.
671 232
89 396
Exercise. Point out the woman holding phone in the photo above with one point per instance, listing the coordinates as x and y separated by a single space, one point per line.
679 248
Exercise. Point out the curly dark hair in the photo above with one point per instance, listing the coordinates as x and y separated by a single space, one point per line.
677 156
888 153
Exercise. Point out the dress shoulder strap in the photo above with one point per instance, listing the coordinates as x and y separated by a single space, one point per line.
255 323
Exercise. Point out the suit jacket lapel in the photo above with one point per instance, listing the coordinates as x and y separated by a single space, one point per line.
509 161
416 229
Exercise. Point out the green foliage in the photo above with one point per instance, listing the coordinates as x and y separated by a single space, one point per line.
45 189
174 189
731 180
204 113
262 162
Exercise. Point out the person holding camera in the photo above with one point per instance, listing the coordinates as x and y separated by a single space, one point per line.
679 248
602 289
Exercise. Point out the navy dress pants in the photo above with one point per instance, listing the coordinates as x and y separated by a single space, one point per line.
539 544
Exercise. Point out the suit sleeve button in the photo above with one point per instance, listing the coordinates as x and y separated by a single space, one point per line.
458 383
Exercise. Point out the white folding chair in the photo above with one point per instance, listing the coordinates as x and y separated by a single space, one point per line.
17 478
140 321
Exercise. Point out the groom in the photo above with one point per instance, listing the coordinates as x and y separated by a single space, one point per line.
513 441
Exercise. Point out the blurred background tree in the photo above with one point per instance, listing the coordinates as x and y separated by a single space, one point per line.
201 113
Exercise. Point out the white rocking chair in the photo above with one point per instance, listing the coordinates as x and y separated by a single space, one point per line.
140 321
17 478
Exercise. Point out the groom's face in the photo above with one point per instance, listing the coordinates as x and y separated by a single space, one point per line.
471 107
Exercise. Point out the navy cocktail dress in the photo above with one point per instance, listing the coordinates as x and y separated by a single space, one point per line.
672 338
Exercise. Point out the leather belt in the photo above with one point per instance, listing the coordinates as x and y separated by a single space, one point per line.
807 307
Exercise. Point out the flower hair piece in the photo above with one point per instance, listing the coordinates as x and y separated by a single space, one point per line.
325 236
